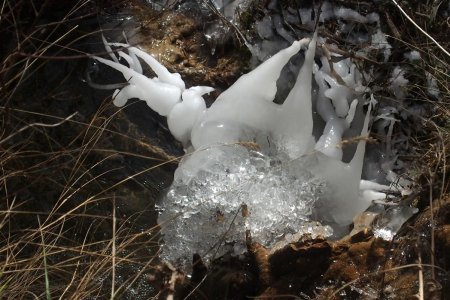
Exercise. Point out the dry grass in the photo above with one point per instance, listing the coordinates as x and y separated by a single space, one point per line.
65 229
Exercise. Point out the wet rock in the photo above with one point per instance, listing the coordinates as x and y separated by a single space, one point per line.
228 278
308 257
178 41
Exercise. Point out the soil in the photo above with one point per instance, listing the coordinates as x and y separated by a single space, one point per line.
177 39
356 267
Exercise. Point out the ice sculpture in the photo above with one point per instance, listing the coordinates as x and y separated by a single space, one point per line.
282 181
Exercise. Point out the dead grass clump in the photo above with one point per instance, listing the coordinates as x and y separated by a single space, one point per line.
77 219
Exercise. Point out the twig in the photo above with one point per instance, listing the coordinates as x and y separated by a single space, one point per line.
47 282
37 124
172 281
113 250
420 294
382 272
1 10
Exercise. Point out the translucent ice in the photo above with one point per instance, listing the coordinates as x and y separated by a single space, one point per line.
284 182
388 224
202 211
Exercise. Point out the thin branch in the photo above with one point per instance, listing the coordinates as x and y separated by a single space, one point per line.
37 124
113 251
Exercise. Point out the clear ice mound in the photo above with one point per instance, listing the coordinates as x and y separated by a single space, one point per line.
204 210
290 176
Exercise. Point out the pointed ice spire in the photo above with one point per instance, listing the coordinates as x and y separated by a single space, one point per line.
358 159
293 131
246 107
163 74
261 83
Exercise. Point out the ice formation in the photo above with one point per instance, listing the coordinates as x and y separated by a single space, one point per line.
367 37
412 55
432 86
247 153
398 83
389 222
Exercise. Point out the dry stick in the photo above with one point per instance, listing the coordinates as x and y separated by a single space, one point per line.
9 206
392 26
444 167
37 124
420 295
71 280
381 272
431 181
418 27
172 281
66 47
113 249
1 10
47 283
16 27
155 149
21 77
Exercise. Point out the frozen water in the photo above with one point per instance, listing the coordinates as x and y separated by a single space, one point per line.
294 174
388 224
203 210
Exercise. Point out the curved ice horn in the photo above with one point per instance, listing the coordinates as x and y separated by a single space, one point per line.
296 98
109 50
136 64
163 74
126 72
358 158
265 76
160 96
295 125
128 59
